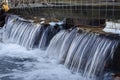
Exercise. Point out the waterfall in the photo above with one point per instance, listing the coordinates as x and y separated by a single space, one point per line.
28 34
81 52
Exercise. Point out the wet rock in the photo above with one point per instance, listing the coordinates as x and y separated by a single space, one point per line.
117 78
68 23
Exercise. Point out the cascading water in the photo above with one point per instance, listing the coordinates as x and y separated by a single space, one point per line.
25 33
84 54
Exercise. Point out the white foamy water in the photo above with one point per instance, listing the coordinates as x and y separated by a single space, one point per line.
113 27
18 63
82 55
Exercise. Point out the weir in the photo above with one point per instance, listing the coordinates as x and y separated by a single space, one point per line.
86 53
61 40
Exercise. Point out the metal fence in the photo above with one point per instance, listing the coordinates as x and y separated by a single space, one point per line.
84 9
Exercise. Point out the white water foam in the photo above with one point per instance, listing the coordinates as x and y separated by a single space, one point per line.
30 65
84 54
113 27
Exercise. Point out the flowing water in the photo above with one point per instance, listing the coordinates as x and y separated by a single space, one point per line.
113 27
47 52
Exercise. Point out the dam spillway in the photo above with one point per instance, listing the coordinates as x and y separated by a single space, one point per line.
85 54
74 47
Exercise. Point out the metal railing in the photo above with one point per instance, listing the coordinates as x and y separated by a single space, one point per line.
33 3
